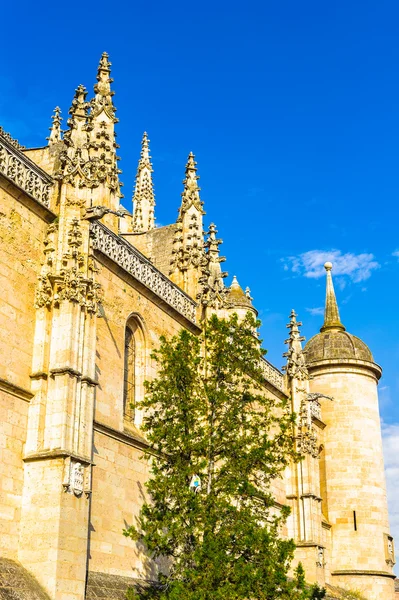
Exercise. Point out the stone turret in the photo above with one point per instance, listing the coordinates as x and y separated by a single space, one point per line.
353 485
238 300
144 199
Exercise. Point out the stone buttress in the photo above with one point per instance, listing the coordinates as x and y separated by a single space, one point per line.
305 523
58 451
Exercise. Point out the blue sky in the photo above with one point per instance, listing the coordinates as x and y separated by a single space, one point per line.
292 111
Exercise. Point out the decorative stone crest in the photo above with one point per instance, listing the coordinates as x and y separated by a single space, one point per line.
75 477
11 140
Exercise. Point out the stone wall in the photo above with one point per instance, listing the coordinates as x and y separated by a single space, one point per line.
21 252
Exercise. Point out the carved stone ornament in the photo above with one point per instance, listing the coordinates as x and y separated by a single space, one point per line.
307 438
71 283
320 562
389 550
296 364
212 291
77 478
22 171
44 292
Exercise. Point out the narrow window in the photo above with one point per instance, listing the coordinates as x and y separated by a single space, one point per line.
129 385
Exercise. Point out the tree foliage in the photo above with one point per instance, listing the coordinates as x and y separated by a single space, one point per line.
207 415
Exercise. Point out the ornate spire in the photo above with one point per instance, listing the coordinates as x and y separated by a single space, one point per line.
102 121
103 98
188 239
190 194
296 365
90 159
331 313
143 198
55 129
212 292
76 134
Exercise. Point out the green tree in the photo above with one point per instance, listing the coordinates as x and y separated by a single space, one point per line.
217 443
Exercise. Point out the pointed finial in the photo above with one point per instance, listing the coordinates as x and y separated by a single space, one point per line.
79 105
145 149
102 89
331 312
234 283
143 197
55 129
104 64
248 293
190 194
191 163
296 365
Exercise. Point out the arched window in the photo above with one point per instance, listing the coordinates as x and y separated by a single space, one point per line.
134 369
323 481
129 380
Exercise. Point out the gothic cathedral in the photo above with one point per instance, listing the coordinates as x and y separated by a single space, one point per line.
87 288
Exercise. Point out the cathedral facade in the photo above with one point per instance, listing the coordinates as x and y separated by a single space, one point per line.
87 289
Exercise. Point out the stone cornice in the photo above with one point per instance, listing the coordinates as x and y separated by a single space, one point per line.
364 572
344 365
15 390
57 453
24 173
138 266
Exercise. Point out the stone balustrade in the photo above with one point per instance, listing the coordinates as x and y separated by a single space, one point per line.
135 263
273 375
22 171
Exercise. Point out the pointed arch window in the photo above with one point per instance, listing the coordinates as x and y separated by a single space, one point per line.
129 380
134 369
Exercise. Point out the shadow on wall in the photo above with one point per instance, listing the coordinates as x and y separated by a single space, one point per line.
17 583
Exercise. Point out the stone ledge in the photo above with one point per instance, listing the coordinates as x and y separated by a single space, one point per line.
364 572
15 390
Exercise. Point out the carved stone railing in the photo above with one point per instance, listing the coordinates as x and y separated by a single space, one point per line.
23 172
273 375
132 261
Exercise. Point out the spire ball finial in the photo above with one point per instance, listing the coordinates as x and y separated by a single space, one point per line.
328 266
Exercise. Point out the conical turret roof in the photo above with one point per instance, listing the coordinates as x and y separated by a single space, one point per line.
334 343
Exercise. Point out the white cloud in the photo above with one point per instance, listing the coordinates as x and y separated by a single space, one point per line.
390 441
357 267
396 253
319 310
